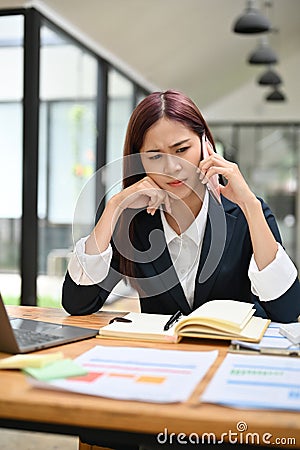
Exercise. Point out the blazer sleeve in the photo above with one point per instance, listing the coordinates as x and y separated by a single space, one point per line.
80 300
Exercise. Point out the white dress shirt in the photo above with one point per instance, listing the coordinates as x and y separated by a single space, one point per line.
268 283
185 249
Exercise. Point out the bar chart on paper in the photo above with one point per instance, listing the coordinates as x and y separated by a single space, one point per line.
144 374
256 381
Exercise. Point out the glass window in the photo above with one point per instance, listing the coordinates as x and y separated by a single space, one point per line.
267 156
11 88
275 176
120 106
140 96
67 152
223 137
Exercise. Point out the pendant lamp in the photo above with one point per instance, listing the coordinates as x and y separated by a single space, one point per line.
269 78
263 54
251 21
276 96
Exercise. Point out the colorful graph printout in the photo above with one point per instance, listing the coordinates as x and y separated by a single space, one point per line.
143 374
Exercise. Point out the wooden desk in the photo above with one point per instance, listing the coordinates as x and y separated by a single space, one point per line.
24 407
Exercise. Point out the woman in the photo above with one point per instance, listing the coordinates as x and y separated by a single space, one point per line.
168 234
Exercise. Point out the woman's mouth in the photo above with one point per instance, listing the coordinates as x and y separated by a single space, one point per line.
176 183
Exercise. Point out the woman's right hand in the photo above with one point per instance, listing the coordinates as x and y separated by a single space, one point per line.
143 194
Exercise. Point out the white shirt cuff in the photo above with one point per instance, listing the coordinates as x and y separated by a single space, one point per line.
87 269
275 279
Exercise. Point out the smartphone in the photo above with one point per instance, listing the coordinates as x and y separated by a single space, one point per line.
213 182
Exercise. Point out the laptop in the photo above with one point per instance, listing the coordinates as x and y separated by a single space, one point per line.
26 335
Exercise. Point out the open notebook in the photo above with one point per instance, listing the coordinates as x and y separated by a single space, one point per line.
217 319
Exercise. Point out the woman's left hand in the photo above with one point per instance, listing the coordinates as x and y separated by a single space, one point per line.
236 189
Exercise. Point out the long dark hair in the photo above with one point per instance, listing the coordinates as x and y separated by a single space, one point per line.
173 105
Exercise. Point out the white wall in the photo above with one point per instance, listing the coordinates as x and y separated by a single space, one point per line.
248 102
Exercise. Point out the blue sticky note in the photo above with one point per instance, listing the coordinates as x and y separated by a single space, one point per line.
59 369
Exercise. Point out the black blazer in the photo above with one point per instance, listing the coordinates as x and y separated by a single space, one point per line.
222 271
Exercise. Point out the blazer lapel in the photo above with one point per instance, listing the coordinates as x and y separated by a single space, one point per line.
219 231
160 260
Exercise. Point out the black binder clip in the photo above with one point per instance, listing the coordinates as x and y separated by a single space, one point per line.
120 319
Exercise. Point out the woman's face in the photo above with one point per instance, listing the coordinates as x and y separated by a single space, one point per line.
170 154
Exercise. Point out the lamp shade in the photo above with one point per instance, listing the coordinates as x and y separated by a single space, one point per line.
269 78
251 21
276 96
263 55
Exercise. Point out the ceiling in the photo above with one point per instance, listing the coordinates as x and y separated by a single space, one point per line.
182 44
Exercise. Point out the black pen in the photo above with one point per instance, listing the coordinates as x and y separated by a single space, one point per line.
172 320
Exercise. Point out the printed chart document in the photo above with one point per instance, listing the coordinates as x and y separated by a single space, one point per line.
126 373
256 381
216 319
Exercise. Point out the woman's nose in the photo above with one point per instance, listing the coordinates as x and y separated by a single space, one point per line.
172 164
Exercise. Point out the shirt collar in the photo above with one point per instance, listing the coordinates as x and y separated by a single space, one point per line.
195 231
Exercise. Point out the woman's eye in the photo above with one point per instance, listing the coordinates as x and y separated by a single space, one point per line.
182 149
153 158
